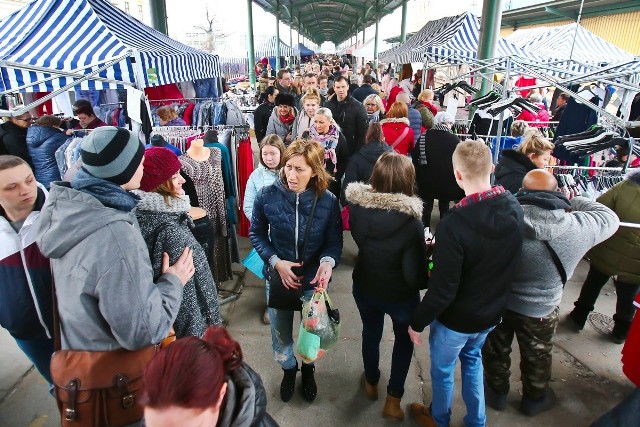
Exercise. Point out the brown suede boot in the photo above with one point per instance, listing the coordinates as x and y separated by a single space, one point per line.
371 390
392 408
422 415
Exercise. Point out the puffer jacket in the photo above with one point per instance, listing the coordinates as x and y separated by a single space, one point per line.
426 114
245 404
279 220
276 127
393 129
42 142
107 299
392 259
416 123
620 254
167 228
511 169
542 116
260 177
26 300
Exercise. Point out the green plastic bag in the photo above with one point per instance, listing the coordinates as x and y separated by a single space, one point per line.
320 326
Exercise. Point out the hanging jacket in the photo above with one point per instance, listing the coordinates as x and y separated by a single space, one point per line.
261 119
42 142
260 177
276 127
398 132
106 295
279 221
620 254
511 169
392 258
361 165
168 228
13 140
26 300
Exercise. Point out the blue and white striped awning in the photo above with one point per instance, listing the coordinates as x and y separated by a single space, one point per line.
268 49
76 37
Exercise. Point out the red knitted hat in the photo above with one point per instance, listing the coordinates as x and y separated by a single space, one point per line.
160 164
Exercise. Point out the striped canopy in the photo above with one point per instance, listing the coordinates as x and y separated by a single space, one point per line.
454 38
79 36
268 49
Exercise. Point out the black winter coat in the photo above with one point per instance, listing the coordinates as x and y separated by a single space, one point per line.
511 169
42 142
13 140
361 165
351 116
280 215
261 119
476 254
435 179
392 259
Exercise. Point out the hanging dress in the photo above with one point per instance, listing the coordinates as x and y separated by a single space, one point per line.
209 185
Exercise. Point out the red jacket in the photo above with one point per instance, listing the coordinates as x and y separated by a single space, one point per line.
631 350
527 116
394 130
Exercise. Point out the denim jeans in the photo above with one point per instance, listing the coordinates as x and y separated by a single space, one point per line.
282 333
39 353
372 312
446 346
625 414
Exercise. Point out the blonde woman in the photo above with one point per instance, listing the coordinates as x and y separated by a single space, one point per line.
310 103
375 108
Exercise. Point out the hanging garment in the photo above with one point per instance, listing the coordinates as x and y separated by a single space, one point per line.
245 167
209 185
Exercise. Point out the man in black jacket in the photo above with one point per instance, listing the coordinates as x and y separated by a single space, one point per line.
350 114
365 90
13 137
476 254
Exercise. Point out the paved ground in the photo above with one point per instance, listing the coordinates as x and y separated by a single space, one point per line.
586 369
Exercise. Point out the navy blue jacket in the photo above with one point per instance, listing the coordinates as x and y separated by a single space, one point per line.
43 141
276 215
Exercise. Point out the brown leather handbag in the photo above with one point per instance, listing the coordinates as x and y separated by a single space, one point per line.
98 388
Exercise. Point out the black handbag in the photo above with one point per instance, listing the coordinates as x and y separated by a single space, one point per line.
280 297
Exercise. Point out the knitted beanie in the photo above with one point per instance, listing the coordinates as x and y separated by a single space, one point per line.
160 164
111 153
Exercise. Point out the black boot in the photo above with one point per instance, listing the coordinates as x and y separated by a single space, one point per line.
309 387
620 330
579 317
533 407
288 384
494 400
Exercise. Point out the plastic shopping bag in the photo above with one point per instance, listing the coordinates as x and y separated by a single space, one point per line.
320 327
254 263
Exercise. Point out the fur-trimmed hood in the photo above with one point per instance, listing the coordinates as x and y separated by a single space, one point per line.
363 195
395 120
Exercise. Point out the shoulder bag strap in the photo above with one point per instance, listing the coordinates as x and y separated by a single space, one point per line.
57 343
307 231
400 138
556 261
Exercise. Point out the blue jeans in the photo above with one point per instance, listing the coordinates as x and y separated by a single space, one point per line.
372 312
39 353
282 333
446 346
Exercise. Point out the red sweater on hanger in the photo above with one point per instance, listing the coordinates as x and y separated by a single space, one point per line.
245 167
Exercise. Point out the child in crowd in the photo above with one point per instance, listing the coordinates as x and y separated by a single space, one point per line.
477 250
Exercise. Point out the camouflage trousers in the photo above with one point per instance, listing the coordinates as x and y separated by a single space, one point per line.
534 338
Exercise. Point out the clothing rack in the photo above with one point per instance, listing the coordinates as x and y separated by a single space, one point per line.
585 168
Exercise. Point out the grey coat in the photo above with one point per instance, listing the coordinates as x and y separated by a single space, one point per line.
104 282
167 228
276 127
537 287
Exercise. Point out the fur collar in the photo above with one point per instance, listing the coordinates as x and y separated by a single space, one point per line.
362 194
395 120
150 201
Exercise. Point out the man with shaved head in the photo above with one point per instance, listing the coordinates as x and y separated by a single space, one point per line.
557 234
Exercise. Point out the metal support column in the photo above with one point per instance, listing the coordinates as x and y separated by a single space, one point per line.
277 37
403 31
505 95
159 15
489 35
250 50
375 41
364 30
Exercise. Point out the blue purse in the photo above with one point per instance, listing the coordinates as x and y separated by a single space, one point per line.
254 263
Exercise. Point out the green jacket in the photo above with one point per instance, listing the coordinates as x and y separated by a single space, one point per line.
620 254
427 115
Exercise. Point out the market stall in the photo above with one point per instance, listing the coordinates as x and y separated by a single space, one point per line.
267 49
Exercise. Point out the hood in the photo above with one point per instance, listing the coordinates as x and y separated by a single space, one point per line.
513 160
37 135
395 121
545 224
399 208
373 150
245 401
633 176
69 216
499 215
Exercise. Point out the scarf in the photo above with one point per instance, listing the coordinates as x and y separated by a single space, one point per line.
287 120
549 200
329 141
109 194
373 117
422 145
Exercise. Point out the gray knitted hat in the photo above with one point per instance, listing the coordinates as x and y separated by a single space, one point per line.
112 154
